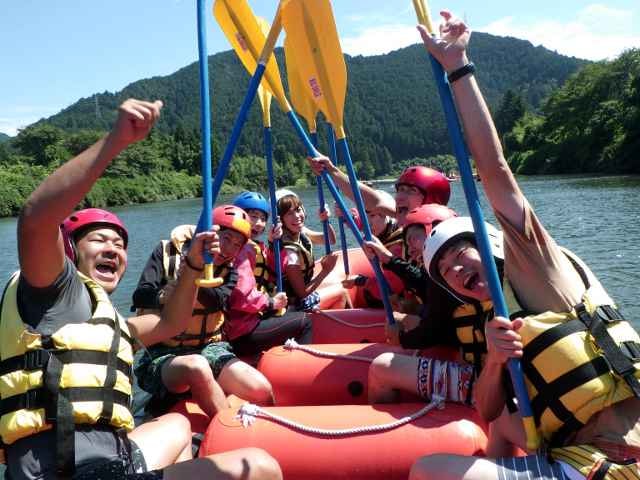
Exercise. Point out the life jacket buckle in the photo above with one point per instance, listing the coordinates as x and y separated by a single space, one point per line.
608 314
32 399
36 359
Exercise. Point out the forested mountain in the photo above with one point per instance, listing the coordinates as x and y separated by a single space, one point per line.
392 104
393 117
4 137
590 125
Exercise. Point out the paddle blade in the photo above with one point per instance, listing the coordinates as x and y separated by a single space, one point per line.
300 99
312 32
264 95
244 32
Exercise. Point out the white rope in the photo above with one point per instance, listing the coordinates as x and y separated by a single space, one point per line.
248 414
349 324
291 344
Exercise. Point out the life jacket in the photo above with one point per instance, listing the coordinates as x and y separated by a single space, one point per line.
594 464
265 277
80 374
205 325
600 360
393 238
304 248
469 320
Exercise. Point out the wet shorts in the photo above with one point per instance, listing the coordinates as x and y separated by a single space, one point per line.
149 370
531 466
131 466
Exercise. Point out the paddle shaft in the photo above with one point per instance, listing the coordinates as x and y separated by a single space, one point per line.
268 151
325 223
343 147
482 240
333 154
205 126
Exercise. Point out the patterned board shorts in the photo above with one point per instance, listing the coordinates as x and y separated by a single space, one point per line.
148 370
531 466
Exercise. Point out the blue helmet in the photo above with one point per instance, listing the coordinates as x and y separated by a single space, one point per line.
252 201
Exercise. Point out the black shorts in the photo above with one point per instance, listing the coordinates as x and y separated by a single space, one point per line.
131 466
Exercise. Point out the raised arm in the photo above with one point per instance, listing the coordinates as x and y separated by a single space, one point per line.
40 247
372 200
482 139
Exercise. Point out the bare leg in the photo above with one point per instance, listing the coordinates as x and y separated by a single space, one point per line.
506 434
453 467
159 453
389 373
246 382
185 372
244 464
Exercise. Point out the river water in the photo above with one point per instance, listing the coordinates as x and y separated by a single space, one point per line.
597 218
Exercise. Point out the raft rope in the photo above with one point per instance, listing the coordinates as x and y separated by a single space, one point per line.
249 412
349 324
291 344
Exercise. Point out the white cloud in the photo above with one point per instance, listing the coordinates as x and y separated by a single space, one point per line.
380 39
597 32
20 116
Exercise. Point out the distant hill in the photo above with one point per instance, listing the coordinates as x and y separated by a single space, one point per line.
392 107
4 137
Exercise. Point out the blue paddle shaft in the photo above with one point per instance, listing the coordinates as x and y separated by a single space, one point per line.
241 119
268 152
353 180
325 223
473 203
313 152
333 154
205 125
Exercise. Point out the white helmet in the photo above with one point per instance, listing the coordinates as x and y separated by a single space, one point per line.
283 192
446 234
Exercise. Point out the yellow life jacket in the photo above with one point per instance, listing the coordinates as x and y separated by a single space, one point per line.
392 235
469 320
304 248
81 374
261 271
579 362
205 325
594 464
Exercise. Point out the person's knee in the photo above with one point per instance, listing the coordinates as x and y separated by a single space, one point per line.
261 389
380 367
264 465
247 382
180 428
197 370
428 467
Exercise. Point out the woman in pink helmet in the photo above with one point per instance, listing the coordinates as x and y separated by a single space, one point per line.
56 315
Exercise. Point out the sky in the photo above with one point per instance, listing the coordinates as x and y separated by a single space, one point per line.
53 53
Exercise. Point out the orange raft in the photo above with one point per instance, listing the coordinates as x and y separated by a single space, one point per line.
357 325
302 378
385 455
358 265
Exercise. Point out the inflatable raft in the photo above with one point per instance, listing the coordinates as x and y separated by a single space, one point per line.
356 454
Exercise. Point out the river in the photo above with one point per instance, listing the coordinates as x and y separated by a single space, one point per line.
597 218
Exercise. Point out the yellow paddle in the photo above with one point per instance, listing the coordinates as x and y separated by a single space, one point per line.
304 105
318 55
241 28
471 194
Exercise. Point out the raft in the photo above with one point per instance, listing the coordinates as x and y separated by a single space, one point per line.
384 455
357 325
358 265
302 378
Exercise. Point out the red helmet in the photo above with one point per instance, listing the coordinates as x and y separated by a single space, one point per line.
83 218
234 218
429 215
432 183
